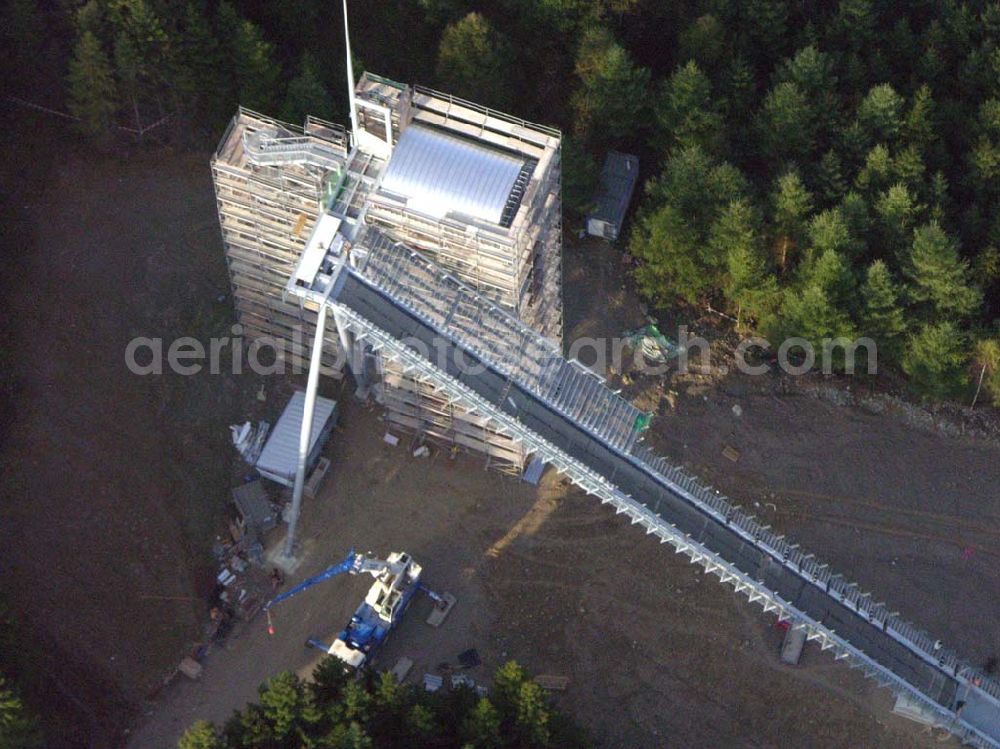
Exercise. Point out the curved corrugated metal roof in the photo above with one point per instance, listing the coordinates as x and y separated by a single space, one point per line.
439 174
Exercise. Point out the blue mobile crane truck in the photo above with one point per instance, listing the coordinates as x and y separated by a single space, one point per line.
397 580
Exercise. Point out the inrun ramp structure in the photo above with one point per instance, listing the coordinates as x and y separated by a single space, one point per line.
441 332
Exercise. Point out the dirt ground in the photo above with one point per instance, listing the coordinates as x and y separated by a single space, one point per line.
114 486
550 578
112 483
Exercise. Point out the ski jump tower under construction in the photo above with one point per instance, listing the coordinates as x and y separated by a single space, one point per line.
430 233
475 190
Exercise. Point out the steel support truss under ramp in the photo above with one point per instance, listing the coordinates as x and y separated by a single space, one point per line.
441 332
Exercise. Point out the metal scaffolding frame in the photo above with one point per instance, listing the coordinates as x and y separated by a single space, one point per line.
485 329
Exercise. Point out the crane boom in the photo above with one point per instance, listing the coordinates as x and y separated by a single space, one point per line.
353 563
348 565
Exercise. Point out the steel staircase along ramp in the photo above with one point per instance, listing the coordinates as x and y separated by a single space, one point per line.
274 148
443 333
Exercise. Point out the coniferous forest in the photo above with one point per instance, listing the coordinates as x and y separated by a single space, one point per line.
336 710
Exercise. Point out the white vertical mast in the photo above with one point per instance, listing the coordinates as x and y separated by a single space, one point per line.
350 78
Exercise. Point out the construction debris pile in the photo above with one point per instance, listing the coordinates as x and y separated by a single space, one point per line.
249 440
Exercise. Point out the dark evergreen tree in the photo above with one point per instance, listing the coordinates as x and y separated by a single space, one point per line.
792 204
939 277
475 61
612 92
935 360
785 125
201 735
257 71
882 317
93 96
19 729
306 93
881 114
748 282
686 112
142 59
704 42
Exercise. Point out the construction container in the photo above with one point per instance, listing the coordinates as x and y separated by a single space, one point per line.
614 194
279 459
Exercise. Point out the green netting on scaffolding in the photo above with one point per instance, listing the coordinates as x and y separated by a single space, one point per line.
333 186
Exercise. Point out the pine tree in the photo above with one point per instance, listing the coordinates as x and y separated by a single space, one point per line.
766 23
697 186
141 55
832 273
830 183
828 231
580 173
282 699
738 90
920 127
532 715
91 17
686 113
329 679
482 726
876 175
307 94
93 96
855 211
201 83
984 163
475 60
201 735
882 317
792 204
22 32
387 692
612 92
902 49
818 308
257 72
669 250
987 361
880 114
356 702
704 42
18 727
812 72
935 359
506 685
420 723
786 124
441 12
908 168
355 737
897 212
939 277
748 282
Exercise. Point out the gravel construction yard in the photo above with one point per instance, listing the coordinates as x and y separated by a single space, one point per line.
114 486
